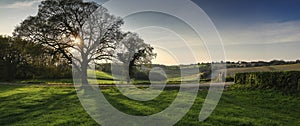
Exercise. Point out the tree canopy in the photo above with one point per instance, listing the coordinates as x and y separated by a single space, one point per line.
20 59
63 27
60 22
133 50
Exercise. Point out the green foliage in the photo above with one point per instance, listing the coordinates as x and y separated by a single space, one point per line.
20 59
157 76
105 67
287 81
10 57
141 76
229 79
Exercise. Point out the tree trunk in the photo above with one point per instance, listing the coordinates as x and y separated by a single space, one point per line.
131 69
84 68
84 78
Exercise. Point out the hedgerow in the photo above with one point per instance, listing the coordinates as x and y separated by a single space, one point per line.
288 81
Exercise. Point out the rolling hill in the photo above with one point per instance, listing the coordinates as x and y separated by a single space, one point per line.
290 67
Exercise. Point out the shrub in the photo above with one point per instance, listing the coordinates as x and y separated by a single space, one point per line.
156 76
286 81
229 79
141 76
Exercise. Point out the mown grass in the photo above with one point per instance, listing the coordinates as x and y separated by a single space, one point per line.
32 105
103 78
46 81
28 105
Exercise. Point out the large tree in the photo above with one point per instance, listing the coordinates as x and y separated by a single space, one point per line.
73 25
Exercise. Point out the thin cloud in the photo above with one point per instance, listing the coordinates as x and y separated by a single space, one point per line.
20 4
272 33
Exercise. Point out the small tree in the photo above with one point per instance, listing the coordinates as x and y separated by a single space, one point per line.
132 50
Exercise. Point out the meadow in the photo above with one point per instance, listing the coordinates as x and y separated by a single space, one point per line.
103 78
44 105
173 76
289 67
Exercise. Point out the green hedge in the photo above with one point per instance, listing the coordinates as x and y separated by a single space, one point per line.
286 81
141 76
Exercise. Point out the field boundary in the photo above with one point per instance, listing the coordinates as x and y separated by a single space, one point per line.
206 85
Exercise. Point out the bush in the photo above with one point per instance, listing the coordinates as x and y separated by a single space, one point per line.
141 76
156 76
229 79
288 81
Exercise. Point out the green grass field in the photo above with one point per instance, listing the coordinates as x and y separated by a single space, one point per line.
107 79
32 105
289 67
104 79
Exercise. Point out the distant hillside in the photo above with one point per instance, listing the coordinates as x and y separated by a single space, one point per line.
290 67
174 72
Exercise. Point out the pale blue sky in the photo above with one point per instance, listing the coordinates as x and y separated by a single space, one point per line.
250 29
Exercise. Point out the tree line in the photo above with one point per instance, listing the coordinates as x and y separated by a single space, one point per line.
20 59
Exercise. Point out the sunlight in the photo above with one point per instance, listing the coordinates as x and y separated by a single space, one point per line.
165 57
77 40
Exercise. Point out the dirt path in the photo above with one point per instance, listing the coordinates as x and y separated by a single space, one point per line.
206 85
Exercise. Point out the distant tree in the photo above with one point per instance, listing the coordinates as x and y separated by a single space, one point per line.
20 59
63 26
132 51
105 67
9 59
277 62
